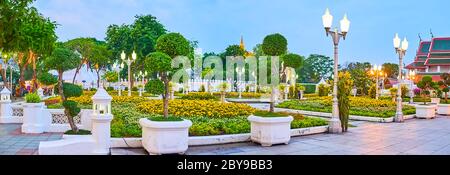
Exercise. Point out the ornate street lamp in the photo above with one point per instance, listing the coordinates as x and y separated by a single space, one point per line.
327 19
117 68
377 72
240 72
400 48
129 61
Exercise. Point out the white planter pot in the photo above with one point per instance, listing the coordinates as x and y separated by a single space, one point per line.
435 100
165 137
443 109
33 122
426 111
270 130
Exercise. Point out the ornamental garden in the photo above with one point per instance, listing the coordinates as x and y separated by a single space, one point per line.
153 89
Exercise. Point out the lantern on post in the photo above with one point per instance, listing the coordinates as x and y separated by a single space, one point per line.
101 121
5 105
5 95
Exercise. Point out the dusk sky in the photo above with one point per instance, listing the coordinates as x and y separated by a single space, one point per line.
215 24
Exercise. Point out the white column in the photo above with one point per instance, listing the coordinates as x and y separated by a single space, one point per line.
439 69
101 131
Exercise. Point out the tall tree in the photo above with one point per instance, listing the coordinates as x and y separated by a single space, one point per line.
36 40
86 48
100 59
359 75
140 36
274 45
315 68
61 60
12 15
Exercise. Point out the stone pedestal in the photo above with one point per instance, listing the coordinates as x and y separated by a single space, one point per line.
33 122
101 132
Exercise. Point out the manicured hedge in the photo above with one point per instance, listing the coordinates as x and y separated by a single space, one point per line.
310 88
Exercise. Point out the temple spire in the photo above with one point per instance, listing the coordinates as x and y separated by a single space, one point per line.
242 45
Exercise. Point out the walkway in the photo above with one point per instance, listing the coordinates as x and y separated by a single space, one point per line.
13 142
414 137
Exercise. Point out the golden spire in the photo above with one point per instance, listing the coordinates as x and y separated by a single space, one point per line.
242 45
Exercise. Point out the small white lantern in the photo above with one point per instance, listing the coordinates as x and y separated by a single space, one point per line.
101 102
5 95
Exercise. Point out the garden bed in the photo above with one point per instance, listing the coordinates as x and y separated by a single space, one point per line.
210 118
359 106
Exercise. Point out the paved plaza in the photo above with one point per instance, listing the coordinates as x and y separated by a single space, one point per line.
13 142
414 137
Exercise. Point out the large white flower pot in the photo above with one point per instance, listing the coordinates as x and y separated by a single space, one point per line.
443 109
426 111
269 131
435 100
33 120
165 137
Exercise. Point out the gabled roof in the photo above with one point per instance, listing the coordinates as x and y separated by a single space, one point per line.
424 48
440 45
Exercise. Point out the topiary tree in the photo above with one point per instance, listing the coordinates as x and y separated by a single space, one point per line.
61 60
373 91
345 86
426 84
223 87
168 46
444 85
274 45
393 92
47 79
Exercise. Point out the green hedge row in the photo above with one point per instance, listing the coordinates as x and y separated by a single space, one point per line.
310 88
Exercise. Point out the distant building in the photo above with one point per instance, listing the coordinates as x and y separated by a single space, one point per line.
432 59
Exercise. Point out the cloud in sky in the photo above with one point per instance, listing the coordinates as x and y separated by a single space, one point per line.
219 23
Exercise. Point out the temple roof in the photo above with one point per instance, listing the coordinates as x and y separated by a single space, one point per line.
440 45
424 48
437 62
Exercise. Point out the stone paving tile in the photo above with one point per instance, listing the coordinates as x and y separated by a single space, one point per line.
13 142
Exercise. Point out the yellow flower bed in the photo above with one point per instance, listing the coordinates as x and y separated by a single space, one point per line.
197 108
87 99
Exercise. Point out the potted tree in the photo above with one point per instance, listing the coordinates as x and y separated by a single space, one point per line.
269 128
33 121
444 106
165 135
223 87
426 111
301 89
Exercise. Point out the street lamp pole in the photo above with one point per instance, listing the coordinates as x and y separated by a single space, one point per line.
335 122
412 77
401 51
129 61
376 70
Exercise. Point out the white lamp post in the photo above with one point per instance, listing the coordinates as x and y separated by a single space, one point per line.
400 48
129 61
117 68
412 77
239 79
327 19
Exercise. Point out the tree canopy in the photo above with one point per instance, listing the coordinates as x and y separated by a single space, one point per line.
12 14
173 44
62 59
315 68
274 45
292 60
